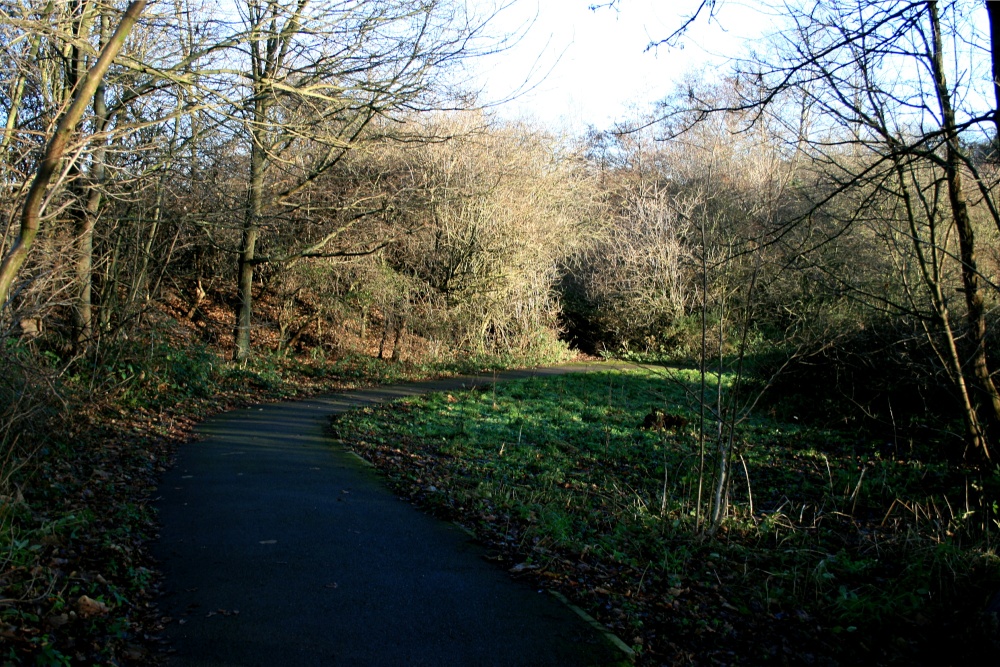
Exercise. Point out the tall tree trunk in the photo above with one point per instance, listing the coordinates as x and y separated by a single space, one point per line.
988 396
248 249
31 211
993 8
930 273
87 219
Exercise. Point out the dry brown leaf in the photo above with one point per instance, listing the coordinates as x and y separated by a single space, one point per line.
87 607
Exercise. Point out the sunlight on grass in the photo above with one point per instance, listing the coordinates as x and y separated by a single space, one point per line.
557 473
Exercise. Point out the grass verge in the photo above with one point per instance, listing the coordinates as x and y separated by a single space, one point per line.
836 550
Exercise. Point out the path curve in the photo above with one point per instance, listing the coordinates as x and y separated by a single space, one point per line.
279 547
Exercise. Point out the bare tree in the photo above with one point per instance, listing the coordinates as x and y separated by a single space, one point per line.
300 85
56 148
875 75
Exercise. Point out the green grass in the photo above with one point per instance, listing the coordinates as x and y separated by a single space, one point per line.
847 551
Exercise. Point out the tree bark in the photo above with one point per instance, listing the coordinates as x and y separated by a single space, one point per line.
87 220
267 55
993 9
975 310
931 275
248 249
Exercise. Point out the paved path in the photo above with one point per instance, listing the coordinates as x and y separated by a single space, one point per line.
280 548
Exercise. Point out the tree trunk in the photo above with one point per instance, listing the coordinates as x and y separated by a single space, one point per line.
400 326
386 327
87 220
931 275
993 8
988 397
248 248
244 286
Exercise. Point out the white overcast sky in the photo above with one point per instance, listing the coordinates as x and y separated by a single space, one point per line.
597 67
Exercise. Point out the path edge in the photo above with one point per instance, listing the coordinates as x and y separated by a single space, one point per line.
599 627
486 380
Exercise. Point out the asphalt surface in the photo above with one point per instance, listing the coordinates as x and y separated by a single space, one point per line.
278 547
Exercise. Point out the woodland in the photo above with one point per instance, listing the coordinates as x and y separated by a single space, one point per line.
211 205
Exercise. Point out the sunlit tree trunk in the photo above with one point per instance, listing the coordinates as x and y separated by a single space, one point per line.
975 310
87 218
248 249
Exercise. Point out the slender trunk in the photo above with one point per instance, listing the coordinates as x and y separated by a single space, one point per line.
108 298
244 305
248 248
31 211
722 472
84 313
141 283
727 440
930 273
975 310
87 220
703 368
400 326
255 207
17 91
993 9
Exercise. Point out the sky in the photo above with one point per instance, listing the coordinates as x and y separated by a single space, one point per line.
591 67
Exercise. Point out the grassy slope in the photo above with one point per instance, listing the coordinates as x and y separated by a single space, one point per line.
850 553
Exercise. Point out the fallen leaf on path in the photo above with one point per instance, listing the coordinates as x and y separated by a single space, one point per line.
223 612
523 567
